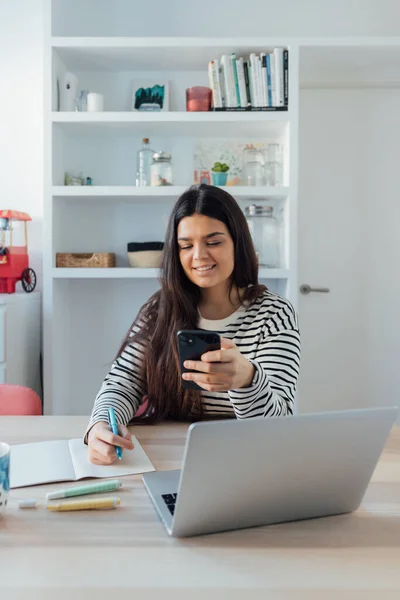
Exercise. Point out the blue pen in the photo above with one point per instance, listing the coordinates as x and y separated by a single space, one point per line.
114 428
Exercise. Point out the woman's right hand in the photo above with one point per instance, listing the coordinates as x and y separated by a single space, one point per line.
102 442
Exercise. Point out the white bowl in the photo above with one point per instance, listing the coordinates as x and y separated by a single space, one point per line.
145 259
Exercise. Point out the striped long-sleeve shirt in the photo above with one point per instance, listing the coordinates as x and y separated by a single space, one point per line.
266 333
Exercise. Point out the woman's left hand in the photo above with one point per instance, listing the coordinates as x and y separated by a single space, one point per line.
221 370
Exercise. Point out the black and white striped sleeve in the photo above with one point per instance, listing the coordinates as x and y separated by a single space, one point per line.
276 363
124 386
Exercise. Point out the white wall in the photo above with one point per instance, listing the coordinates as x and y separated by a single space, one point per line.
229 18
21 156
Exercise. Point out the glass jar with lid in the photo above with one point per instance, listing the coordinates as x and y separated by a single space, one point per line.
253 166
161 169
265 232
274 165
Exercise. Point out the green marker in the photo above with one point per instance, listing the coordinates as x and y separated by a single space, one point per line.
94 488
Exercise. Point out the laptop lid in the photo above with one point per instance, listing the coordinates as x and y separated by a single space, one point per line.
260 471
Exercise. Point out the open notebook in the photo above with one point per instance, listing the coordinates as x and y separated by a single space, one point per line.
68 460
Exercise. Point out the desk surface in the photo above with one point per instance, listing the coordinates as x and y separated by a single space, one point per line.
61 553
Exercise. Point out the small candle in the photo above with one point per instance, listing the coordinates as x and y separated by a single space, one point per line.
198 98
94 102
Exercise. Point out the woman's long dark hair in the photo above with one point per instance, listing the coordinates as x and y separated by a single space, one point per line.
175 305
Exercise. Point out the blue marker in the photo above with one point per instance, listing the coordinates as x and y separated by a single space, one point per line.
114 428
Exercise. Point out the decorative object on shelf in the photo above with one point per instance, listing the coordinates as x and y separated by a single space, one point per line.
68 92
88 181
75 260
201 173
230 151
205 177
71 178
274 165
161 169
265 232
81 103
95 102
14 260
144 158
253 166
198 98
148 95
219 173
145 254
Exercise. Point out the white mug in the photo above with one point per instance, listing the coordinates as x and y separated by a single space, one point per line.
94 102
4 475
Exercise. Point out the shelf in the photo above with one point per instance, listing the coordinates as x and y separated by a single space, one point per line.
138 194
199 124
114 273
130 273
149 53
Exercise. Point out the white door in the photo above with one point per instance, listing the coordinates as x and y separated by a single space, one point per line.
332 182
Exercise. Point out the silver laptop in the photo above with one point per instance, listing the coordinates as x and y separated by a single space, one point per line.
260 471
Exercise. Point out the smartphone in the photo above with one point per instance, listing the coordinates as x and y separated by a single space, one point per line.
191 345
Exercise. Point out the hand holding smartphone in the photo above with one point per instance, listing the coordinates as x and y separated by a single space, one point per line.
192 344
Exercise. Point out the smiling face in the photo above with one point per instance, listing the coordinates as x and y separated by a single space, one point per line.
206 251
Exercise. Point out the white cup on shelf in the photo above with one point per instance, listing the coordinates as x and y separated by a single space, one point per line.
95 102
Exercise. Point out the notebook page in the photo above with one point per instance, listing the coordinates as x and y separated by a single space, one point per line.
40 462
132 462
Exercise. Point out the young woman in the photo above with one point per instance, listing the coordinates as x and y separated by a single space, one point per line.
209 281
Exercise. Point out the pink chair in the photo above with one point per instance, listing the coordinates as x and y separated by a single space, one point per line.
19 400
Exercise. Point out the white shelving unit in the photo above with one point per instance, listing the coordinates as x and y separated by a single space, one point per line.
87 311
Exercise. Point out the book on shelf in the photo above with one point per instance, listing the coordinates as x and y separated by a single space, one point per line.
263 58
215 83
278 55
227 70
235 78
247 83
253 83
242 83
286 77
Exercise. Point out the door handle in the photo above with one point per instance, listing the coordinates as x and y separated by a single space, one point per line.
307 289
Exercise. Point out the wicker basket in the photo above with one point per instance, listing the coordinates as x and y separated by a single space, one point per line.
95 260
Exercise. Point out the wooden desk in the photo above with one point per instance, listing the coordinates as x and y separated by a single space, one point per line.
63 555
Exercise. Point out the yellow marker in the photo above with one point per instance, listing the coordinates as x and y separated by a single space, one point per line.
96 503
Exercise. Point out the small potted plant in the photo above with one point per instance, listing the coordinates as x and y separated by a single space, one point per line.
219 173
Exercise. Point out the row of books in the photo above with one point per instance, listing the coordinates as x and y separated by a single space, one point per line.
259 83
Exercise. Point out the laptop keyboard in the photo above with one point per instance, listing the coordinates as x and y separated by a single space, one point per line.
170 500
